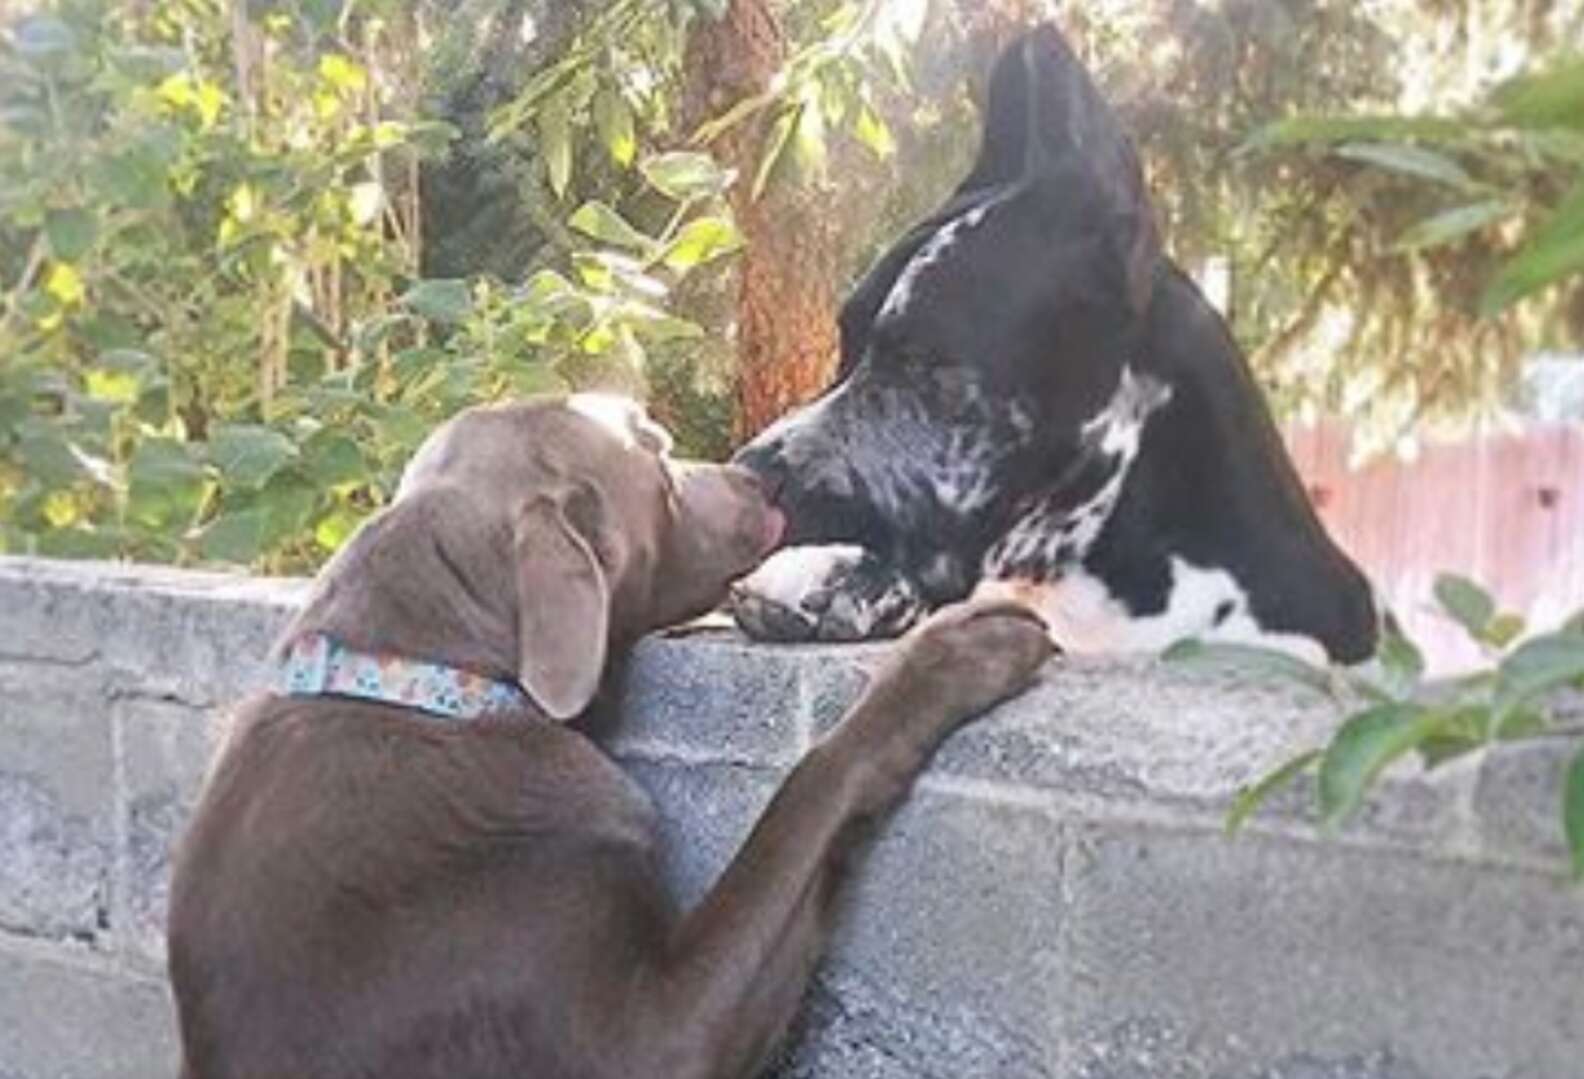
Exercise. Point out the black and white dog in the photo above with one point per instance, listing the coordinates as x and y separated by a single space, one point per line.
1033 400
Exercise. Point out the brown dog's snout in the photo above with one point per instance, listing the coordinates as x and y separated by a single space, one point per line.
731 502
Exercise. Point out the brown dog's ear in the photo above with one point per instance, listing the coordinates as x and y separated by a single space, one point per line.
563 610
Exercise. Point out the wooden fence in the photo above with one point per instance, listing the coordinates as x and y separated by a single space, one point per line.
1506 510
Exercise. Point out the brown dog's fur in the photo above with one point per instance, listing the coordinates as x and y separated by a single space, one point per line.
366 891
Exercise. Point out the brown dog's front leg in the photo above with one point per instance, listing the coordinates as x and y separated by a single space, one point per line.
739 962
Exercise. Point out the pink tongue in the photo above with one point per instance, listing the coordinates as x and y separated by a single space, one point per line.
774 528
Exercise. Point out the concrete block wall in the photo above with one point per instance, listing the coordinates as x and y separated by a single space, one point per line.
1056 900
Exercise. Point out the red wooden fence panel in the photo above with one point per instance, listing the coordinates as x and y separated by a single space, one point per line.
1505 509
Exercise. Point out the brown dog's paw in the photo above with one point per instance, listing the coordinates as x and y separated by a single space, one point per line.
975 654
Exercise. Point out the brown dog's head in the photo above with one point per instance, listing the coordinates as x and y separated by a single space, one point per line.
526 540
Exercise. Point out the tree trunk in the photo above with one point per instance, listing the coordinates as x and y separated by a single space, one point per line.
786 305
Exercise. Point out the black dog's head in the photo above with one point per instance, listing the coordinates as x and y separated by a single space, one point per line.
981 348
1031 395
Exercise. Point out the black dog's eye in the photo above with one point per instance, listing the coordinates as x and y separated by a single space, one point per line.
952 381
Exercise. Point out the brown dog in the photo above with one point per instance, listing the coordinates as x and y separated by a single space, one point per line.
371 891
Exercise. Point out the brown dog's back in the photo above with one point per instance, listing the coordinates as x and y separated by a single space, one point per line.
363 882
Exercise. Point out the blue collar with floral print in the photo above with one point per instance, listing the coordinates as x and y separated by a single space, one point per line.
316 664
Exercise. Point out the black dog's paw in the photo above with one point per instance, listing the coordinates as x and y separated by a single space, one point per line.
834 592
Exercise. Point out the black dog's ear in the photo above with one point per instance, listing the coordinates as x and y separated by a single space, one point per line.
1044 123
1046 116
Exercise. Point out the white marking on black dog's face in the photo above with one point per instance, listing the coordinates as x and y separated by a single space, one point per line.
934 252
907 455
1061 525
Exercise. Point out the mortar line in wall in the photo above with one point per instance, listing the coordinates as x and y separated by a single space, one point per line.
67 953
804 722
648 752
116 898
1441 858
26 659
1066 982
1189 822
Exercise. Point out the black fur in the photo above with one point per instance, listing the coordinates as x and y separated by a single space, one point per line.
997 363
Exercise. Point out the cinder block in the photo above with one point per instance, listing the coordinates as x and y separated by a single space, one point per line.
62 1021
705 813
1147 735
946 954
712 695
200 636
56 801
1518 800
165 753
1262 956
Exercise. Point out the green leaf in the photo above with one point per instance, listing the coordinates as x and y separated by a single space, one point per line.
547 81
1504 629
1252 660
41 37
1573 813
702 240
1555 251
1463 728
1301 130
598 220
685 176
808 146
65 284
128 360
555 144
234 537
1540 664
441 299
1458 732
71 233
1401 661
1252 797
1408 161
775 146
1550 99
247 455
288 501
1468 604
658 327
342 73
47 457
332 460
1365 745
136 179
166 483
873 133
335 528
1454 224
614 122
713 10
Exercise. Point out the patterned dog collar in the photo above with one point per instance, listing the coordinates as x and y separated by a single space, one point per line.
316 665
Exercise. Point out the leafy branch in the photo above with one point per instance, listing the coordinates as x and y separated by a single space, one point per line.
1514 699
